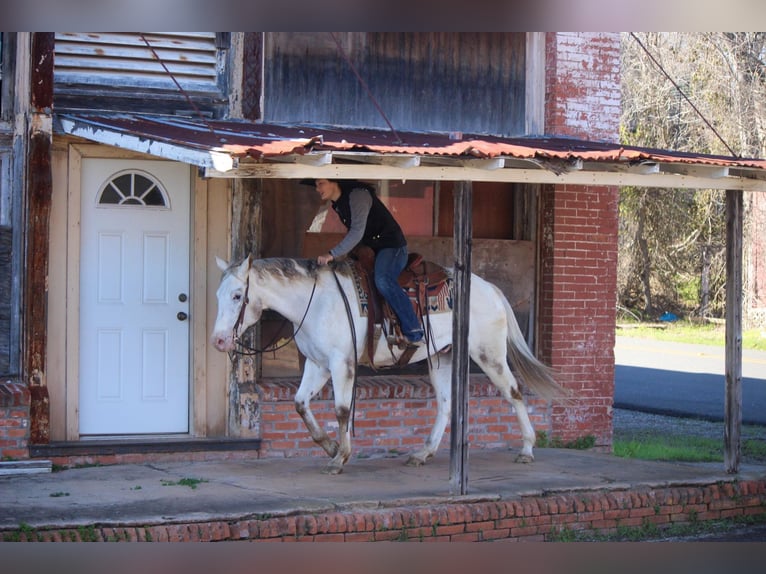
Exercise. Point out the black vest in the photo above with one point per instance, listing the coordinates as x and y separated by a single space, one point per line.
381 230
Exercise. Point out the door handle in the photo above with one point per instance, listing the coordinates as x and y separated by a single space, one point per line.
182 316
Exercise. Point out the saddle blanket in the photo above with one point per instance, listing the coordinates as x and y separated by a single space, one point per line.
439 297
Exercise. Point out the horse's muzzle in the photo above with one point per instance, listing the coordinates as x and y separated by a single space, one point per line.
222 343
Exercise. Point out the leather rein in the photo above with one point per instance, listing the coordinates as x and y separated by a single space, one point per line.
268 348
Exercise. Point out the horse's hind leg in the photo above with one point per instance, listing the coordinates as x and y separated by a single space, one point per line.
496 368
314 378
441 381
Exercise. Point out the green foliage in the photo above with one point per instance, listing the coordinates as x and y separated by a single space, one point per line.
690 449
689 331
670 239
190 482
580 443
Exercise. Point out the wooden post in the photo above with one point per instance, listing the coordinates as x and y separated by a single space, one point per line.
463 229
733 396
39 189
246 214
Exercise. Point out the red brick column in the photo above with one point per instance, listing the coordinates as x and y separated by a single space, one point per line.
578 271
578 286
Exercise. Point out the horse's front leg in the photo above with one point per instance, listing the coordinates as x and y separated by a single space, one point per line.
314 378
343 390
441 381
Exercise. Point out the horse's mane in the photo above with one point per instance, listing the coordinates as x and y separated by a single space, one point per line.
292 268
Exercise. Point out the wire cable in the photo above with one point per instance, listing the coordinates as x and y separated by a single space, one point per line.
680 91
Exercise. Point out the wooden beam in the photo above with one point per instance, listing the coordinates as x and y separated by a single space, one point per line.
645 168
489 163
711 171
315 159
460 324
459 173
733 392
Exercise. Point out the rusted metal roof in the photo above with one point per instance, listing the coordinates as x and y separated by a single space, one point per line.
247 149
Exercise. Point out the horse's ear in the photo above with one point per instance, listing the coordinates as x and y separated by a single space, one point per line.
244 267
222 265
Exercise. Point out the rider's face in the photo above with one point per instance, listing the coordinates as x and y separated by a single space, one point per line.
328 189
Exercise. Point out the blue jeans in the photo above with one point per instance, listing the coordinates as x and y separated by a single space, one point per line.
389 262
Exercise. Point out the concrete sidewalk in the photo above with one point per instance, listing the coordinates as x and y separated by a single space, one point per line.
155 493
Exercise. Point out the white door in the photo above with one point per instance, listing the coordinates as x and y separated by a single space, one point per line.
134 297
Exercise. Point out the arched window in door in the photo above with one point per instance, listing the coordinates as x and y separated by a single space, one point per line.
133 188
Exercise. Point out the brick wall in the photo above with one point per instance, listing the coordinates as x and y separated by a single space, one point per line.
528 518
393 415
578 273
14 420
583 85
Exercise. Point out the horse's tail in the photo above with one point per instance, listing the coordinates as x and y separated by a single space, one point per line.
535 374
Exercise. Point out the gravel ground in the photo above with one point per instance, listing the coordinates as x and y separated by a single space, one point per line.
631 423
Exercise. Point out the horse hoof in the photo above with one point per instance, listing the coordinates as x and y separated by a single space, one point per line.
332 469
525 458
415 460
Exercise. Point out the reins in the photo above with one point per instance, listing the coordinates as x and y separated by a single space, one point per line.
268 349
353 339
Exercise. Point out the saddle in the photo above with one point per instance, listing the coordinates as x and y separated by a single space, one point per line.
418 277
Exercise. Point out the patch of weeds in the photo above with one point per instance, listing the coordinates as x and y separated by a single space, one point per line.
403 537
669 448
580 443
87 534
15 535
58 494
190 482
147 534
563 534
88 465
137 487
58 467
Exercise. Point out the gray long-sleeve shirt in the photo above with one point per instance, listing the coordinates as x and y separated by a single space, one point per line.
360 202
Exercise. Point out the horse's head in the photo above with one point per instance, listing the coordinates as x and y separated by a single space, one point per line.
236 311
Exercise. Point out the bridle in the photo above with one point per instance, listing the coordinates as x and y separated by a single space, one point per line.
268 348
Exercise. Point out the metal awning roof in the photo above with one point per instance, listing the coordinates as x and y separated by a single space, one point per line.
234 149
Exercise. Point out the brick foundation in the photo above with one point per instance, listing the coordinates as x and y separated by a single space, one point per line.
393 414
14 420
531 518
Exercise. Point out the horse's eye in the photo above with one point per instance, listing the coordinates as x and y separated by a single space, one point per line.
237 296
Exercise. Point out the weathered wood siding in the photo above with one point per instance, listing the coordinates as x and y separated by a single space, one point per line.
6 257
468 82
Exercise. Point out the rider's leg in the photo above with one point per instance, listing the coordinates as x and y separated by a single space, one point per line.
388 265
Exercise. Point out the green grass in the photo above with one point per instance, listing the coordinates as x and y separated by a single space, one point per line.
684 447
670 448
685 331
650 531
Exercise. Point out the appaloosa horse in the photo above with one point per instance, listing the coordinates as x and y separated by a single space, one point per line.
310 297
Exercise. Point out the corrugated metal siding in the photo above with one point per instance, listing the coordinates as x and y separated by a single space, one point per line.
425 81
124 59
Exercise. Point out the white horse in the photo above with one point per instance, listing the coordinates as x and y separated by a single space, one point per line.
309 296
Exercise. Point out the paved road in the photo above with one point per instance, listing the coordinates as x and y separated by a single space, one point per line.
684 380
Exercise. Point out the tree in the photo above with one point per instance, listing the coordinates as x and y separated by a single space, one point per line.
672 241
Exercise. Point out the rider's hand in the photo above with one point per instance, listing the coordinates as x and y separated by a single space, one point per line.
325 259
